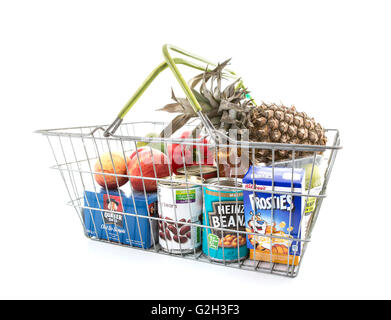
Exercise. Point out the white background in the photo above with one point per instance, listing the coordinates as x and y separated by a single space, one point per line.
69 63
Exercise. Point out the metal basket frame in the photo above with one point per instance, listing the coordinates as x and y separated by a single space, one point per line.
76 149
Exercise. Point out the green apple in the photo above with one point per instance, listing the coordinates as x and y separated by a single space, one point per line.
155 145
316 177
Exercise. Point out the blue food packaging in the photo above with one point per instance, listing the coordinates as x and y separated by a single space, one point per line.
279 215
110 224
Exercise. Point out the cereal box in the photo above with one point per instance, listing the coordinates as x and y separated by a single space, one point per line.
107 220
284 221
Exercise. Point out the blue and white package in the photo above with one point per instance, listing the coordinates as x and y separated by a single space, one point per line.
286 220
117 227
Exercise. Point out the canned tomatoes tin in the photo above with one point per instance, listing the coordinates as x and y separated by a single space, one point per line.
180 203
208 172
224 209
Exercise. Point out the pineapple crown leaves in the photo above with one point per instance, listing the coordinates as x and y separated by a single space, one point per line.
227 108
217 73
181 105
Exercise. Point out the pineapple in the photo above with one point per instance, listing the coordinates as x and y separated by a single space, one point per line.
232 108
227 109
278 123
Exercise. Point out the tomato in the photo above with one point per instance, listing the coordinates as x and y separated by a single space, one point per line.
180 154
203 154
189 154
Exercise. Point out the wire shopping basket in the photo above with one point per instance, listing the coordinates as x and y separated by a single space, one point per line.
259 220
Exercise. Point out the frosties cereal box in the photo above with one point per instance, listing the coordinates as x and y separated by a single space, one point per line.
284 221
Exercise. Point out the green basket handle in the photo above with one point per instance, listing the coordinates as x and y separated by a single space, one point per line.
172 64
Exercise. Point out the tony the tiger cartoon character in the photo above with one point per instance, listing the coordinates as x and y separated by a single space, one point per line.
259 226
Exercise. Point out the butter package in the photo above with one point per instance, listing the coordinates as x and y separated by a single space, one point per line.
285 221
106 222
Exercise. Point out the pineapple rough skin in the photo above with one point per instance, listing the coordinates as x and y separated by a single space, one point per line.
280 124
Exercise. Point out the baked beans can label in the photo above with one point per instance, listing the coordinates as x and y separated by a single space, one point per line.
224 212
180 204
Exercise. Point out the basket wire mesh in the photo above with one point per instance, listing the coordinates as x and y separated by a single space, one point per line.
78 150
75 151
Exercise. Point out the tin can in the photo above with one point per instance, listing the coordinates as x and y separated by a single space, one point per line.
224 209
207 171
180 203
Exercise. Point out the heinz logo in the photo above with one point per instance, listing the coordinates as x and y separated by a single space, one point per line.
227 215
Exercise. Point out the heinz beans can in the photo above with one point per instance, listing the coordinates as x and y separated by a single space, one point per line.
224 209
179 204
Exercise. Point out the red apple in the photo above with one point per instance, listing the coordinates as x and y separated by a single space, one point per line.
149 158
135 152
177 153
105 165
